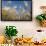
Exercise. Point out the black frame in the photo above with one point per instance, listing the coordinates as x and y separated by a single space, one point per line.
17 20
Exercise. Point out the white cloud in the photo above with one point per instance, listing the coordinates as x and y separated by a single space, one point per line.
6 8
15 7
20 7
23 10
26 3
9 2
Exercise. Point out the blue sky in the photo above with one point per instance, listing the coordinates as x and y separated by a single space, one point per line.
17 4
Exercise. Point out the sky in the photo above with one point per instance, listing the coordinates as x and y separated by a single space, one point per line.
25 5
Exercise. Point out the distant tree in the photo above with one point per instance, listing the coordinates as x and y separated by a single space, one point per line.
4 14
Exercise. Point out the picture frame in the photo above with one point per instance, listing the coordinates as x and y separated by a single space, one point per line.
16 10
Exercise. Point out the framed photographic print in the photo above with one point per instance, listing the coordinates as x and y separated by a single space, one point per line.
16 10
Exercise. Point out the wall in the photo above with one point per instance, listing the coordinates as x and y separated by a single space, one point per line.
26 27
